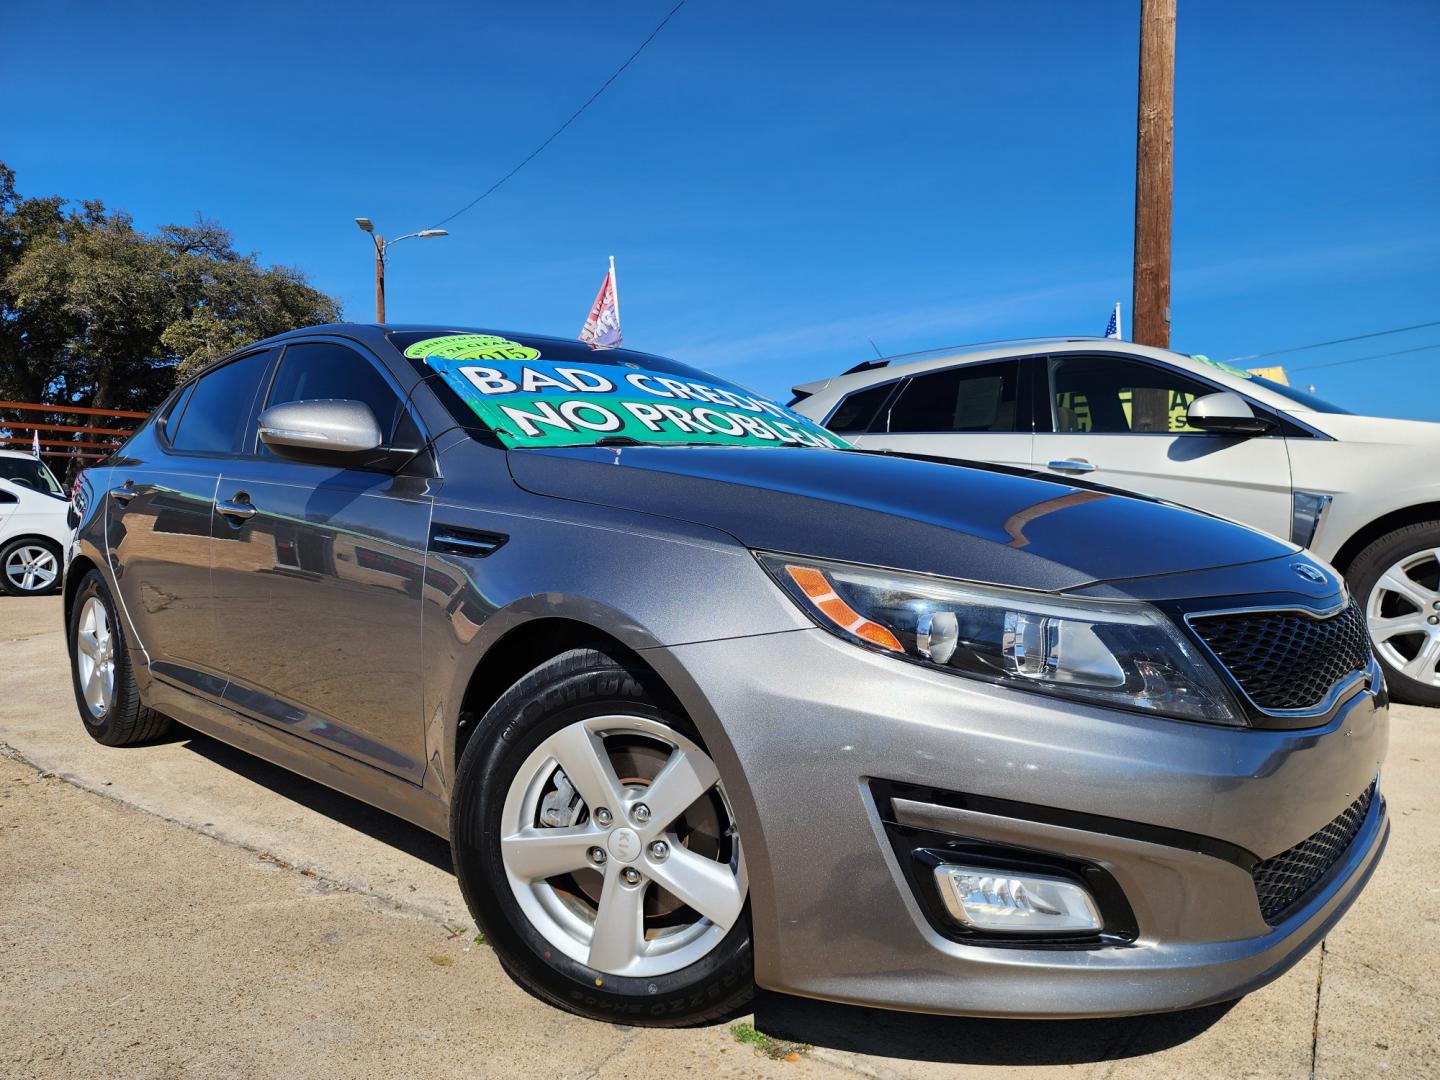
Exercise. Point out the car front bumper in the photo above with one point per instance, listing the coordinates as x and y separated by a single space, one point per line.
803 725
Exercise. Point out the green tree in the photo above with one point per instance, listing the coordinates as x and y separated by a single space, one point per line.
96 312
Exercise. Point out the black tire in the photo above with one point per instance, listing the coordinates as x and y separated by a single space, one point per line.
126 721
5 552
1362 574
573 686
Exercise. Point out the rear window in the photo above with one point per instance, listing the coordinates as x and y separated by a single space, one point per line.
31 473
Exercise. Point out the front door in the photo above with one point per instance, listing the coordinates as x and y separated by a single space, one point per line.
317 571
1121 421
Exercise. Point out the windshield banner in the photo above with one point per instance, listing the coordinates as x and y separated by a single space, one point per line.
533 402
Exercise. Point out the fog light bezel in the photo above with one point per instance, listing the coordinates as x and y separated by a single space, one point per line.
917 851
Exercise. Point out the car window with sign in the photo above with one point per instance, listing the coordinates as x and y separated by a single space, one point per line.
540 393
1114 395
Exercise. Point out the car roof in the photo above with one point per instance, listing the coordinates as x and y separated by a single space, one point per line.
374 334
18 453
903 365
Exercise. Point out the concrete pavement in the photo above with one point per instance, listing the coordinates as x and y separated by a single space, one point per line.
183 909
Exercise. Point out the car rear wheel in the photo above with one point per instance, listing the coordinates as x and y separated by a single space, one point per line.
105 688
597 849
29 567
1397 579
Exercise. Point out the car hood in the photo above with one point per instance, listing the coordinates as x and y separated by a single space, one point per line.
955 520
1410 434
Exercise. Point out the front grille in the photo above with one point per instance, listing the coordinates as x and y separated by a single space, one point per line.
1283 880
1286 660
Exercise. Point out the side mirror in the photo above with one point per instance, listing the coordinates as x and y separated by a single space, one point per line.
1226 413
300 428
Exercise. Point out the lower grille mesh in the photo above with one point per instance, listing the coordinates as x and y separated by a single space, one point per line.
1283 880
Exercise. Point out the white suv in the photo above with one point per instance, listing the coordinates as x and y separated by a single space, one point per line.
1360 491
34 525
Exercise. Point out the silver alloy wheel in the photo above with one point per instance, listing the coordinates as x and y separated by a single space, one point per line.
640 850
32 567
1403 614
95 658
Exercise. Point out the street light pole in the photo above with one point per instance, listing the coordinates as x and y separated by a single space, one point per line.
382 247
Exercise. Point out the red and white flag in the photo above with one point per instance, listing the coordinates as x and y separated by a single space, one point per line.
35 444
602 328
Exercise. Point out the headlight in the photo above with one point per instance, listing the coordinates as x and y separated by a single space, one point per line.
1126 655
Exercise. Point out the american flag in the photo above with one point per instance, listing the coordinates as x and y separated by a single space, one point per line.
1112 328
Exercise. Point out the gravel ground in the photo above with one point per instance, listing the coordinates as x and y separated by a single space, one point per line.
184 910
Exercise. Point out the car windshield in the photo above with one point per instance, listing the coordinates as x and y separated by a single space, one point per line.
1285 390
539 392
32 473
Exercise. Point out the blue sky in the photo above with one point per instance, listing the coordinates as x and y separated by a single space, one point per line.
779 182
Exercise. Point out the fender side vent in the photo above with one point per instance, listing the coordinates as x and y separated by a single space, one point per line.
450 540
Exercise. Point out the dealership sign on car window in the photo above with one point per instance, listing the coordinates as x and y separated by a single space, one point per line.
528 401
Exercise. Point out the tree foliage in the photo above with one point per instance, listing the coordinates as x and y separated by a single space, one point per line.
96 312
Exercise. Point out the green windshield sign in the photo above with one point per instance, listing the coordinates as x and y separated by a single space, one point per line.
532 402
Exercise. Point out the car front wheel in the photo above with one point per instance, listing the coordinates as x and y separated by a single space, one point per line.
1397 579
597 849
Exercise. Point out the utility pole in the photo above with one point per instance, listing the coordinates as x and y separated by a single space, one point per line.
1154 174
382 247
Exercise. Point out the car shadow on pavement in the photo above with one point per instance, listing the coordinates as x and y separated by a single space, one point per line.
963 1040
381 826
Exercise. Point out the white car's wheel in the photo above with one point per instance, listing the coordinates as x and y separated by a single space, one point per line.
29 567
597 848
1397 579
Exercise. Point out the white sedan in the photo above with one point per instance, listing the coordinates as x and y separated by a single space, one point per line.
1360 491
34 525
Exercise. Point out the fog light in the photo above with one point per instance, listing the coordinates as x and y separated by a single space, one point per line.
1015 903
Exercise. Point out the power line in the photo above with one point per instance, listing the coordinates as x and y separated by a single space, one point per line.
573 117
1337 341
1375 356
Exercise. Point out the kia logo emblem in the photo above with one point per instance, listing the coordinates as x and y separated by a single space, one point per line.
1309 573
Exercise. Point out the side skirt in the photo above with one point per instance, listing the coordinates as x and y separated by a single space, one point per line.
356 779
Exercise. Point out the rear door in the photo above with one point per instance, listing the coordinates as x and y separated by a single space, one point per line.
159 506
317 574
976 412
1121 421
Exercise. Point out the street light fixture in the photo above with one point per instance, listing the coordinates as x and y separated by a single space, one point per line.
381 247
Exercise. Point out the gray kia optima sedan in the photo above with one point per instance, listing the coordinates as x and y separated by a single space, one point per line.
704 699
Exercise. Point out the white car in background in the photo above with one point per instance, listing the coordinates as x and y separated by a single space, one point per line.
34 525
1360 491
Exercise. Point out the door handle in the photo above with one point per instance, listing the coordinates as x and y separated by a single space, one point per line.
125 492
1071 465
238 510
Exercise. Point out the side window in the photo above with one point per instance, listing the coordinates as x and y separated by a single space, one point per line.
1115 395
169 421
980 397
856 412
213 419
320 370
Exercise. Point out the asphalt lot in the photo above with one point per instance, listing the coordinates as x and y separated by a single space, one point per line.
182 909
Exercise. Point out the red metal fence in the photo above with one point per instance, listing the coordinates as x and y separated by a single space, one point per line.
88 440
